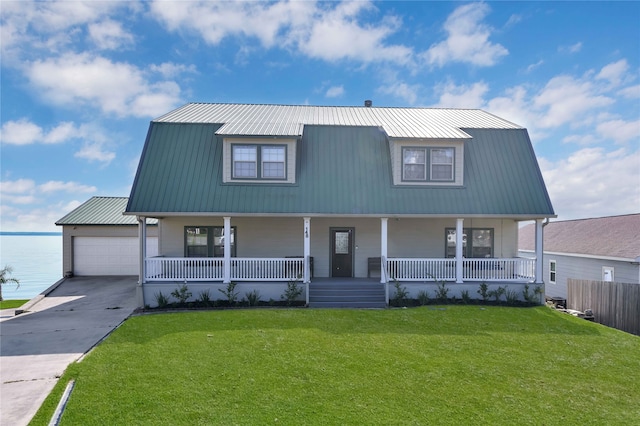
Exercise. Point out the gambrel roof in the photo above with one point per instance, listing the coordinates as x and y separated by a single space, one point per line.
343 164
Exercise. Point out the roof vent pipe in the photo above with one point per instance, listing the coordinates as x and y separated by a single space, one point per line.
368 103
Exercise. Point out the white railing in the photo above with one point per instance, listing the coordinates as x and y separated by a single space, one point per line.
212 269
184 269
520 269
266 269
410 269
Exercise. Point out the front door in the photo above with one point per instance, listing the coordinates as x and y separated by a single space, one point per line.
342 252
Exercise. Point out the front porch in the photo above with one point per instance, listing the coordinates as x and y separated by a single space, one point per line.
270 275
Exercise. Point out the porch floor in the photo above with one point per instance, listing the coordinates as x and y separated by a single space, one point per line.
346 293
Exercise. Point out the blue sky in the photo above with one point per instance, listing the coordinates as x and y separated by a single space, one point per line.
81 81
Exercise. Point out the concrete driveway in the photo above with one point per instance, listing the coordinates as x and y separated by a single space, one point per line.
38 345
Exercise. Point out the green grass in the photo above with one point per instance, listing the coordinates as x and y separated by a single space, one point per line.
429 365
10 304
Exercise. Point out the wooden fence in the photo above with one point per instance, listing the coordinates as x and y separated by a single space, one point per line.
615 305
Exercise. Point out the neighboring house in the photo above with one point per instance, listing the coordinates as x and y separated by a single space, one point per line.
259 194
598 249
97 239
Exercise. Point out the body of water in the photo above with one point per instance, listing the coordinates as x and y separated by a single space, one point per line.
36 261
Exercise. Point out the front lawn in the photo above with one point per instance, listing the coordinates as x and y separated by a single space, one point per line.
428 365
14 303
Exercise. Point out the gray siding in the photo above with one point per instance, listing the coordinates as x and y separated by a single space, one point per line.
282 236
585 269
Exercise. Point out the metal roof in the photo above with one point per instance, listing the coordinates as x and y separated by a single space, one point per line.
341 170
101 211
611 236
289 120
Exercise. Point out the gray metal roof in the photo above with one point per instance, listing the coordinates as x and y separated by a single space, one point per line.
611 236
289 120
342 170
101 211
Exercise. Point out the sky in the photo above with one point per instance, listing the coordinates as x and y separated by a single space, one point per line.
81 81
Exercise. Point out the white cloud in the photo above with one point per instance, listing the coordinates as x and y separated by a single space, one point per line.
60 186
335 92
620 131
20 186
592 182
109 35
574 48
614 72
565 98
467 39
95 152
532 67
631 92
21 132
327 31
400 90
172 70
39 219
464 96
121 89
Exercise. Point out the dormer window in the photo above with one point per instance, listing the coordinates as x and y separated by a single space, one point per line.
259 162
424 164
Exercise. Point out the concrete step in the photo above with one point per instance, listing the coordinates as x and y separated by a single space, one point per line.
346 295
349 304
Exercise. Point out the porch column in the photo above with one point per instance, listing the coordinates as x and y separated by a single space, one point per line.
307 250
384 222
142 241
459 257
539 252
227 250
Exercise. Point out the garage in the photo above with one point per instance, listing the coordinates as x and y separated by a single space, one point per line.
109 255
98 239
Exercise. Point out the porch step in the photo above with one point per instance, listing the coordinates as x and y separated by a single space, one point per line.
346 294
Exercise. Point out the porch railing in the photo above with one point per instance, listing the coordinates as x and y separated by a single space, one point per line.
518 269
410 269
414 269
212 269
267 269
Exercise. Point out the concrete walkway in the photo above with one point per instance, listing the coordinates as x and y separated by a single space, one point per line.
57 329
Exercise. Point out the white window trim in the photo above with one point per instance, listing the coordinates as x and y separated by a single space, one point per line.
554 271
451 163
608 268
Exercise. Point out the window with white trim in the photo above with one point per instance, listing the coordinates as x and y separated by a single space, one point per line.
207 241
442 164
607 274
259 162
552 271
422 164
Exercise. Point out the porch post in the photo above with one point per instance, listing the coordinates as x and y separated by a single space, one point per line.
459 257
384 222
539 252
142 241
227 250
307 249
306 261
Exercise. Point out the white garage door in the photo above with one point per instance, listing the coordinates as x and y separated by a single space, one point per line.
109 255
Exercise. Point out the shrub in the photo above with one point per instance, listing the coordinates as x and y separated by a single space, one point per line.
442 292
497 293
464 295
483 291
532 298
204 298
253 297
512 297
401 295
182 294
423 297
161 300
292 292
230 292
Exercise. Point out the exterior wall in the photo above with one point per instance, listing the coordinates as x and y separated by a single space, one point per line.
584 269
282 236
69 232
